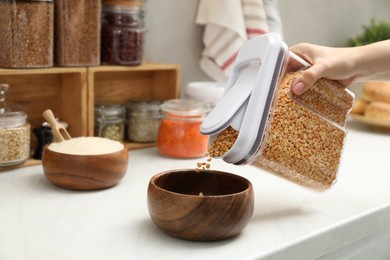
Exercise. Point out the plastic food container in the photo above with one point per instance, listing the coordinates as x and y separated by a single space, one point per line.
14 134
205 91
143 121
77 32
299 138
179 133
123 33
26 29
110 121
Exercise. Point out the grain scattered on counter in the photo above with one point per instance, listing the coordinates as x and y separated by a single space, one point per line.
223 143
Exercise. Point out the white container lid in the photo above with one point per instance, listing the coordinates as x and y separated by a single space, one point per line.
249 94
205 91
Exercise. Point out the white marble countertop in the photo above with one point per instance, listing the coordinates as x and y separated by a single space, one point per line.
41 221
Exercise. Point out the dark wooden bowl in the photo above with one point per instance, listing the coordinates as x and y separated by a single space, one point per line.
176 207
84 172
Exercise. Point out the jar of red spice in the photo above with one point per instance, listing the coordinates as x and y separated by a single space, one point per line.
179 133
123 33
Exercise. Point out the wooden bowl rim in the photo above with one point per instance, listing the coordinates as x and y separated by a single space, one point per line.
46 147
242 179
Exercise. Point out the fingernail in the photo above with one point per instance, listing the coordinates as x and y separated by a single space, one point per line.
298 88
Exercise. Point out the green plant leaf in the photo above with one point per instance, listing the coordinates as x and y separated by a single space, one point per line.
376 31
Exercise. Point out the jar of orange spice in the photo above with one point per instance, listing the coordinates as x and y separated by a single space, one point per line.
179 133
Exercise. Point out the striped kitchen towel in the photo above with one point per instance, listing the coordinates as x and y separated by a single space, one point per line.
228 24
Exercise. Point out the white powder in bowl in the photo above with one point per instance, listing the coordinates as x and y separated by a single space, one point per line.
86 146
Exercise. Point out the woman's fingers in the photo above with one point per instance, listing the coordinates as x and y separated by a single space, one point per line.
307 79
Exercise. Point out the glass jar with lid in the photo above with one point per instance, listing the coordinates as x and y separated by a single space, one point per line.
27 35
14 133
123 33
179 133
144 119
110 121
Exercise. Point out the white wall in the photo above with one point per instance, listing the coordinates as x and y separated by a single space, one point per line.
329 22
173 36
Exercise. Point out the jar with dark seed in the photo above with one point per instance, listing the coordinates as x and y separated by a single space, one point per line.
123 33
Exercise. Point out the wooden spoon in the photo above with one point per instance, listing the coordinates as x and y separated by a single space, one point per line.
59 132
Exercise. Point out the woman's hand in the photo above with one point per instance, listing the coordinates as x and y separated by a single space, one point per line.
332 63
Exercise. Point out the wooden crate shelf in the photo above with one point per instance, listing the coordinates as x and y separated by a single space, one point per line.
73 92
120 84
64 90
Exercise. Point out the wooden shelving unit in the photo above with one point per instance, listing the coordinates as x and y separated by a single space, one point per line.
119 85
72 92
64 90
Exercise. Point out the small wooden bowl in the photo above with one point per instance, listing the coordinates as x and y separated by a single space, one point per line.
84 172
178 208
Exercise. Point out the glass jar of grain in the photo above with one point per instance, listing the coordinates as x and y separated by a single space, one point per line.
77 32
110 121
26 29
14 138
143 121
14 134
123 33
179 133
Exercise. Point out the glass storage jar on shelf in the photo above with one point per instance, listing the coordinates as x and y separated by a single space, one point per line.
26 29
144 119
179 133
77 32
110 121
123 33
14 134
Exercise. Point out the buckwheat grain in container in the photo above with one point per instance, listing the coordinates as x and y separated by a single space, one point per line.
259 121
77 32
26 30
